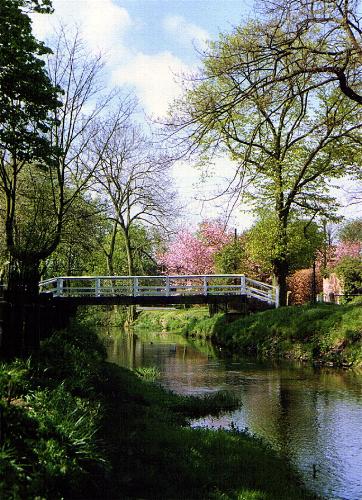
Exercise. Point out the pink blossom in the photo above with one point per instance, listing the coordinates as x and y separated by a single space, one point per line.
193 253
345 249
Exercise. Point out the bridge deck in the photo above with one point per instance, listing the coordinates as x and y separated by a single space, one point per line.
157 290
156 300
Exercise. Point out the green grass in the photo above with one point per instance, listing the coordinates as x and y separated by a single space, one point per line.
325 333
74 426
194 321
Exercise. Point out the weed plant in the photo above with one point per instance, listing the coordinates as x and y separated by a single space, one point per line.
148 373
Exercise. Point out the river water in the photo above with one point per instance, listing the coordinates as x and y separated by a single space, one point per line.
313 415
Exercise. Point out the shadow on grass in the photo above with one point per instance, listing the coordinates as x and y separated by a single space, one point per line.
157 456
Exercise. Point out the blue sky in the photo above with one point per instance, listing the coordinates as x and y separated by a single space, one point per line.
210 16
146 42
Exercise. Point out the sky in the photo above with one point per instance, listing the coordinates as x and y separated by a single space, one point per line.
146 44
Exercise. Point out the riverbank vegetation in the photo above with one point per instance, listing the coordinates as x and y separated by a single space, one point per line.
75 426
323 333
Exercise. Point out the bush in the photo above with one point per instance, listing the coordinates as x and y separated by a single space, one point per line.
349 269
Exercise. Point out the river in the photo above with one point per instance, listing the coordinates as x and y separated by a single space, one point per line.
313 415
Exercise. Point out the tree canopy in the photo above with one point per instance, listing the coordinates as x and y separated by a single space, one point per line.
28 103
28 98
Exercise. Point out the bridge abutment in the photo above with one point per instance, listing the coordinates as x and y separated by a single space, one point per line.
26 320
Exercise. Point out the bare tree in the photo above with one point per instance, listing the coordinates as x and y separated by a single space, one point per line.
79 74
67 174
132 180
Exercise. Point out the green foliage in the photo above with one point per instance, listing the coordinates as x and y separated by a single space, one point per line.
303 240
48 449
148 373
231 258
184 321
27 95
72 355
85 242
351 231
142 250
349 269
326 333
28 105
34 221
14 379
208 404
84 229
49 427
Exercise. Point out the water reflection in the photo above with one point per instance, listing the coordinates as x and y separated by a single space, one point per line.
313 415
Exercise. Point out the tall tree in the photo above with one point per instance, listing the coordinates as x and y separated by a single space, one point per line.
132 180
286 143
304 240
79 73
67 169
28 102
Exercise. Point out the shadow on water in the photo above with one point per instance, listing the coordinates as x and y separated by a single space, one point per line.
313 415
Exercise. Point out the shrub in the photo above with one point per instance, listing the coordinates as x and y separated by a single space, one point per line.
349 269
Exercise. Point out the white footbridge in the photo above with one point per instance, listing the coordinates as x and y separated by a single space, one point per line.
160 289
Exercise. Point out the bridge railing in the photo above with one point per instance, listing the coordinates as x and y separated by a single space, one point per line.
157 286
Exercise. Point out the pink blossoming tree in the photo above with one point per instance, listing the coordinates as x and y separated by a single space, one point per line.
347 249
193 253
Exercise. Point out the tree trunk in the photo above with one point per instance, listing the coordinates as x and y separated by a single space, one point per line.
280 264
22 333
281 271
110 253
130 262
24 277
131 310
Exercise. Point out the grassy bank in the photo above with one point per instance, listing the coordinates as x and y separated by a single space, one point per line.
194 321
323 333
74 426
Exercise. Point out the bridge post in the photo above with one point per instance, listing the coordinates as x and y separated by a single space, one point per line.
205 285
135 287
167 286
59 287
242 285
98 287
276 296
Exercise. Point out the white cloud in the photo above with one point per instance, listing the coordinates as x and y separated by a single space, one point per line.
154 78
102 23
185 32
105 24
